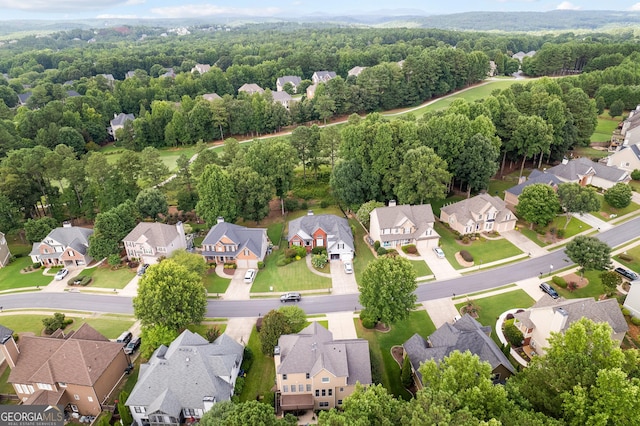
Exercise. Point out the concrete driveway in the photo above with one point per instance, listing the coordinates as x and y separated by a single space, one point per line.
523 243
342 282
441 268
440 311
237 289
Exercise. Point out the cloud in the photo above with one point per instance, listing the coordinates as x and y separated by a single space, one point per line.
565 5
196 10
134 2
635 7
61 6
113 16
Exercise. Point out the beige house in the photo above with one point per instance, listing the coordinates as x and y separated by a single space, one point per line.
395 226
586 172
201 68
315 372
118 123
250 89
5 254
67 246
294 80
355 71
283 98
626 158
79 369
149 241
211 97
229 243
512 195
482 213
632 301
556 315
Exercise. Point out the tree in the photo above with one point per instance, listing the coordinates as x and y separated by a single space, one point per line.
618 196
575 198
192 261
151 202
616 108
478 162
371 405
123 410
610 281
253 192
253 412
406 374
10 215
538 204
110 228
37 230
423 176
532 135
274 325
364 212
217 196
387 288
589 252
153 336
171 295
295 316
349 183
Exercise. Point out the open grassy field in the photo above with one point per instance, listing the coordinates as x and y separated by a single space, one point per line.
380 345
294 276
105 277
169 156
633 264
604 129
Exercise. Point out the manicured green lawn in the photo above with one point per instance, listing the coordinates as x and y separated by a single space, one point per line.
574 227
364 255
482 250
169 156
105 277
604 129
633 264
593 289
294 276
201 329
421 268
606 210
214 283
261 376
275 232
11 277
635 185
490 308
111 327
380 347
532 235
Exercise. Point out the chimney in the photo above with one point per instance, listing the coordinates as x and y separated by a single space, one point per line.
392 203
309 212
565 160
522 179
66 224
9 348
180 229
559 320
220 219
208 402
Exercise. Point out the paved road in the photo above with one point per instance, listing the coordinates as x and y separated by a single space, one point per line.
337 303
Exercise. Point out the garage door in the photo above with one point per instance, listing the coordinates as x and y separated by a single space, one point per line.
243 263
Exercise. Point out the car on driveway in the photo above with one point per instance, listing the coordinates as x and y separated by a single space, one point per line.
143 269
549 290
61 274
627 274
249 276
348 268
438 251
132 346
290 297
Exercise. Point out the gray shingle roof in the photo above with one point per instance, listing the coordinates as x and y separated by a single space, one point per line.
582 166
293 79
121 118
464 210
5 334
337 229
211 96
24 97
251 238
323 76
466 334
314 349
181 375
156 234
393 216
251 88
536 176
281 96
74 237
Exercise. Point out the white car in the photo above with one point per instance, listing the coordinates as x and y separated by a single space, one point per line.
250 276
61 274
439 252
348 268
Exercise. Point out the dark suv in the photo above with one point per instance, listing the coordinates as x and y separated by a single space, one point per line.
627 274
549 290
290 297
132 346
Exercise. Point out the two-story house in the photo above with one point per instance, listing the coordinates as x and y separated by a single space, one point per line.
294 80
250 89
324 230
149 241
315 372
512 195
482 213
79 369
5 254
586 172
181 382
230 243
322 76
118 122
67 246
398 225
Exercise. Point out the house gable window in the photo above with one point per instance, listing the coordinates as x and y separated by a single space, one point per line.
70 253
45 386
325 380
285 388
308 375
284 377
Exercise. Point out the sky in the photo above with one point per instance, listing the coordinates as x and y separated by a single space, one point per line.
105 9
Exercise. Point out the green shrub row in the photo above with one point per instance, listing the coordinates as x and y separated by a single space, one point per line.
559 281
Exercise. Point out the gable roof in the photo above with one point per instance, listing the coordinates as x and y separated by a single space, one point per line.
5 334
74 237
81 358
583 166
536 176
72 93
355 71
394 216
465 210
154 233
313 349
320 76
281 97
121 118
250 88
211 96
201 68
466 334
251 238
293 79
24 97
189 370
337 228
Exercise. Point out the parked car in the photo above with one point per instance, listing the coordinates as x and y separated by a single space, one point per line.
549 290
290 297
143 269
125 337
627 274
61 274
250 276
348 268
132 346
438 251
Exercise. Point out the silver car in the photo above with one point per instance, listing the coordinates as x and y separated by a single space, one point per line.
438 251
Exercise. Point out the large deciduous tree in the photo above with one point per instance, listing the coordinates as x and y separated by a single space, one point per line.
364 212
387 288
217 197
274 325
153 336
478 162
151 202
538 204
253 191
532 136
575 198
589 252
169 294
423 176
618 196
110 228
37 230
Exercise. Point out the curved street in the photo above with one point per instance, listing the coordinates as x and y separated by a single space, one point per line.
471 283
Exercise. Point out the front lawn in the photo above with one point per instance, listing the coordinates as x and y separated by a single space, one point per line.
294 276
214 283
262 374
604 129
631 264
490 308
105 277
606 210
382 363
421 268
202 328
364 255
593 289
574 227
11 277
110 326
482 250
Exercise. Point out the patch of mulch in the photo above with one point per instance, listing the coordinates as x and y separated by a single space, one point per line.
397 352
576 278
384 328
463 262
229 271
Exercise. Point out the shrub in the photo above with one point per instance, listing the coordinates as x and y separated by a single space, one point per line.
57 321
319 250
466 239
290 253
559 281
635 321
376 245
618 196
622 256
290 204
406 375
572 286
113 260
319 260
368 320
560 233
304 205
247 359
410 249
82 280
36 265
239 386
635 175
392 253
512 334
626 312
230 266
260 264
212 333
324 204
466 256
381 251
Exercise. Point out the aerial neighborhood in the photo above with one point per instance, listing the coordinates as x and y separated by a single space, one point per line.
335 224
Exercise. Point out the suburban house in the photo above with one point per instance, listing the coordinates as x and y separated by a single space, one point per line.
311 90
130 74
79 369
169 73
355 71
229 243
395 226
201 68
72 94
181 382
149 241
549 315
482 213
23 98
283 98
521 55
211 97
118 122
66 246
626 158
250 89
323 230
5 254
466 334
511 195
293 79
632 301
493 69
586 172
315 372
322 76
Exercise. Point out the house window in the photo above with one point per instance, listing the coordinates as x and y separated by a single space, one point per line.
308 375
429 231
323 404
89 399
508 216
70 252
189 412
341 389
317 392
339 402
451 220
76 397
285 388
307 243
386 244
62 384
139 410
296 243
324 392
308 388
330 392
29 388
300 388
45 386
495 377
325 380
284 377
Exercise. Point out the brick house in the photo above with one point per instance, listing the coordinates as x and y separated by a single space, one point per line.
149 241
324 230
229 243
66 246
